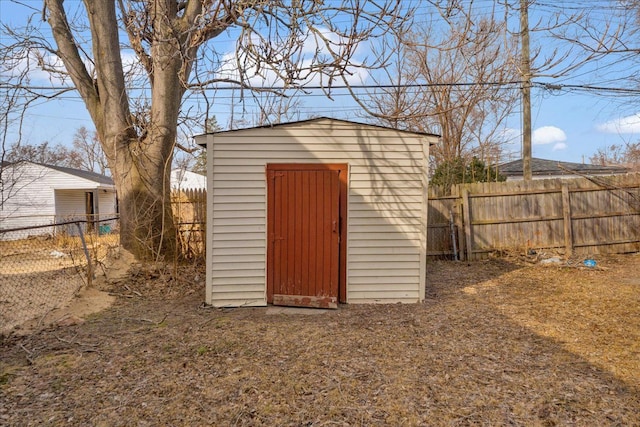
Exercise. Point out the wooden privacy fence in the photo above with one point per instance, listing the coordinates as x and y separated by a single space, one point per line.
573 216
190 213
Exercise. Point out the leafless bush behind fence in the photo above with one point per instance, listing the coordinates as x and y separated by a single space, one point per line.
43 267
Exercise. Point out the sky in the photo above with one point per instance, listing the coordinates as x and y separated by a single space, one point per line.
568 125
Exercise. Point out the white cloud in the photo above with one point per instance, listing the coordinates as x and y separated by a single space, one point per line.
548 135
267 75
56 74
628 124
559 146
511 135
31 65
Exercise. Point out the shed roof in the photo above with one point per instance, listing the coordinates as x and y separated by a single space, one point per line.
544 167
321 119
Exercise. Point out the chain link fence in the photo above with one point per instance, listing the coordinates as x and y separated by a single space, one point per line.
43 267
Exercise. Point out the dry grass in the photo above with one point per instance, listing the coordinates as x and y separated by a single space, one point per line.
498 343
38 275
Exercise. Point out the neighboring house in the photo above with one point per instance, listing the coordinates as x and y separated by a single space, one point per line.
33 194
546 169
315 213
182 179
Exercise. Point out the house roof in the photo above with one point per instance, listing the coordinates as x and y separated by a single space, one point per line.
88 175
544 167
322 118
91 176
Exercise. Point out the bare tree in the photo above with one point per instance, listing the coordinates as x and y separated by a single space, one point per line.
44 153
456 76
86 153
607 36
135 106
464 64
627 154
277 109
457 80
86 146
14 100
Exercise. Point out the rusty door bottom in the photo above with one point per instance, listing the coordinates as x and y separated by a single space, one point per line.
305 301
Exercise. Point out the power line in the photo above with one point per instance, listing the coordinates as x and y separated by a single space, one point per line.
283 89
582 87
288 88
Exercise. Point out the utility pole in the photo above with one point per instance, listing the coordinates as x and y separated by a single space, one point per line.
526 90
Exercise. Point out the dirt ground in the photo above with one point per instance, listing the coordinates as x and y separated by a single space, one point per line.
40 275
498 342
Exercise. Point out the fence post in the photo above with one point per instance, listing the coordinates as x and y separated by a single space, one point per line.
460 223
466 220
86 254
566 214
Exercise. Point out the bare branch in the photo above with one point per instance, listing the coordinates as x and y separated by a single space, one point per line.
443 83
74 64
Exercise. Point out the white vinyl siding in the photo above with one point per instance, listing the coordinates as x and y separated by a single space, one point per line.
386 213
27 198
70 205
106 204
35 194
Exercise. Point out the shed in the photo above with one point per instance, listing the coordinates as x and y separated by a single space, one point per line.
315 213
34 194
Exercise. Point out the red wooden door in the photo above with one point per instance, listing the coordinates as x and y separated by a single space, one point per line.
303 258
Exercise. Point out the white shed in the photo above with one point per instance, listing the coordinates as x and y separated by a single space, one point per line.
316 213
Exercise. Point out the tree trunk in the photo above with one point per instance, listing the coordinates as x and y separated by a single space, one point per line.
139 162
142 181
166 36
